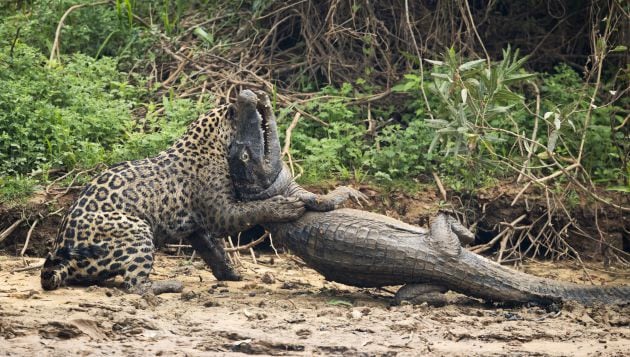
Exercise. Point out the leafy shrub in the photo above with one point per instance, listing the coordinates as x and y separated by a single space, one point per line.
15 188
76 115
479 112
49 115
94 31
333 150
565 101
399 152
341 149
161 131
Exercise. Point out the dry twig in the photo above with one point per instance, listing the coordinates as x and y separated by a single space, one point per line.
28 237
55 46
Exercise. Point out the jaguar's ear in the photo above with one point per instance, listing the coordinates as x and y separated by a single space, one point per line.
49 260
231 113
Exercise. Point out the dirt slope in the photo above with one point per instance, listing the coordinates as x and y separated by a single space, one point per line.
298 313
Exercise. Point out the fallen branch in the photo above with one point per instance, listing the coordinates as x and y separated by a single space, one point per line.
287 138
242 248
287 141
7 232
544 179
30 267
490 244
234 257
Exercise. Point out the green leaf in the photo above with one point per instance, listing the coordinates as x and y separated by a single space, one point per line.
518 77
620 48
434 143
404 87
500 108
129 12
471 65
625 189
507 96
436 123
384 176
337 302
201 33
442 76
434 62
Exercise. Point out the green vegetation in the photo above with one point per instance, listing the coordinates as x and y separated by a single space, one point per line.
109 96
482 119
60 116
15 189
80 113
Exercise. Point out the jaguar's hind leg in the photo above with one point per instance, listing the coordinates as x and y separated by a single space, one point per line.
136 260
134 256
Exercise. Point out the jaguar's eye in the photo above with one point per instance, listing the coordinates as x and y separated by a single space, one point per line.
244 156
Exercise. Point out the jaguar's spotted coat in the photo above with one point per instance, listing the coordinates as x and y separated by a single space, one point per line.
185 191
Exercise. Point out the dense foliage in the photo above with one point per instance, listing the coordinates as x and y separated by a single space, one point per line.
482 118
468 120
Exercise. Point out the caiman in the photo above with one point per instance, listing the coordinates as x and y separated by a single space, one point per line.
364 249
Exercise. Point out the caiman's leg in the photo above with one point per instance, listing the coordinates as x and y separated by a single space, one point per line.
329 201
212 252
465 236
419 293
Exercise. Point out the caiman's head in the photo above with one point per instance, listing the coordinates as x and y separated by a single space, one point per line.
254 155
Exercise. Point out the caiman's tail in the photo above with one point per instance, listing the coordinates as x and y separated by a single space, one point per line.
495 282
55 270
492 281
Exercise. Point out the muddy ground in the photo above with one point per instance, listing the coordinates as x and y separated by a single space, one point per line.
285 308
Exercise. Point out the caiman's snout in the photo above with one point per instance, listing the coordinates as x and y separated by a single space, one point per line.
246 96
255 152
254 116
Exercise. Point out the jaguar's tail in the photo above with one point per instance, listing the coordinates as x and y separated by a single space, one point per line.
55 270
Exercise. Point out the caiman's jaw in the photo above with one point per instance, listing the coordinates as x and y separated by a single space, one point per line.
254 155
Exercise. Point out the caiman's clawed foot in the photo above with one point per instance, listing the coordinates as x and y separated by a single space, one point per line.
330 201
419 293
357 196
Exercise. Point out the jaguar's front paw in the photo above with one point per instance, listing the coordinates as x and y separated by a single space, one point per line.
284 209
227 275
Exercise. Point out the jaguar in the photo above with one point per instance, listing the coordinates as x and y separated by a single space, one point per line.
185 192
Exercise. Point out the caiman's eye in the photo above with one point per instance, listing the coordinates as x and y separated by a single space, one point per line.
244 156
